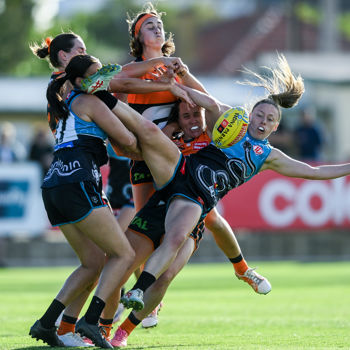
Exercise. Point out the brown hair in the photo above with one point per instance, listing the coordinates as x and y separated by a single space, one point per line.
135 44
284 88
63 41
76 67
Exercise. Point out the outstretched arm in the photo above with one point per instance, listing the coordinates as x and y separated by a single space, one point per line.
140 86
285 165
137 86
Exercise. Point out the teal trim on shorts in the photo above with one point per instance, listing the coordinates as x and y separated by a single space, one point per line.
83 188
89 212
83 217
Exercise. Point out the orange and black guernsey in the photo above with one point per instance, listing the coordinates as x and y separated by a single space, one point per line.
154 106
192 145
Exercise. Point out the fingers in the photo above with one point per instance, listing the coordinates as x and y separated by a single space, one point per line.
185 97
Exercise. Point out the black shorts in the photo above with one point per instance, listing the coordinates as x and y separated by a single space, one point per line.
119 191
183 184
149 222
70 203
139 173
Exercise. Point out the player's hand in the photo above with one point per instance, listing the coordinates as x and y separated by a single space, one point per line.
182 94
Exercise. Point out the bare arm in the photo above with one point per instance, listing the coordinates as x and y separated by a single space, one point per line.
213 107
91 107
285 165
188 79
170 129
137 86
137 69
140 86
191 81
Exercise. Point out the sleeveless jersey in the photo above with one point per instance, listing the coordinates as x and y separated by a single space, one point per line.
154 106
217 171
80 150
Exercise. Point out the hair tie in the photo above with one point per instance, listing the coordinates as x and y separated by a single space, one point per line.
140 21
48 43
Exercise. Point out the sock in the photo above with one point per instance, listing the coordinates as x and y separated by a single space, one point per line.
67 325
144 281
239 264
130 323
107 325
50 316
94 311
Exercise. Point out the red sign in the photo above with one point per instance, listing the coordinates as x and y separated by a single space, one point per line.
275 202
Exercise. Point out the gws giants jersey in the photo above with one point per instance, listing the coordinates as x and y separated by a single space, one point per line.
154 106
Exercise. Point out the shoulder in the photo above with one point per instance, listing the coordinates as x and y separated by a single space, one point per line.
273 159
85 102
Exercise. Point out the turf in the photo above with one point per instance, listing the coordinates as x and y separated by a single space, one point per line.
208 308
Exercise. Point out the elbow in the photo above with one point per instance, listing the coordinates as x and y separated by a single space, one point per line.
214 107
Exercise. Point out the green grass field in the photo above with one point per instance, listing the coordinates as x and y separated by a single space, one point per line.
208 308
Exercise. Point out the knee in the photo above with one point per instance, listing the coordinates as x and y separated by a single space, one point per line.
150 131
94 263
127 255
130 257
175 240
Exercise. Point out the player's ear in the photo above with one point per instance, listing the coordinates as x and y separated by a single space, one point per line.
276 126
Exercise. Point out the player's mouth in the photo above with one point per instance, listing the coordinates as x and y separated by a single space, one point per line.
261 129
194 128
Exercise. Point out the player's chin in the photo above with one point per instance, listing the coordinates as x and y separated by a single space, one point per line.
194 135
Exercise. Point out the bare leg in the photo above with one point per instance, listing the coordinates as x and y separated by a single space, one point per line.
101 228
176 232
141 194
159 152
223 234
155 293
226 240
126 214
143 249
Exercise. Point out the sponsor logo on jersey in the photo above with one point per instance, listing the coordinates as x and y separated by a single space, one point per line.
200 145
258 150
63 169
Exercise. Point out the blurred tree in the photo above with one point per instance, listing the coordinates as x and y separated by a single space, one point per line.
15 23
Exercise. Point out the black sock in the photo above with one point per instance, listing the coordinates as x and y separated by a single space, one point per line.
144 281
106 322
94 311
133 319
69 319
237 259
50 316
